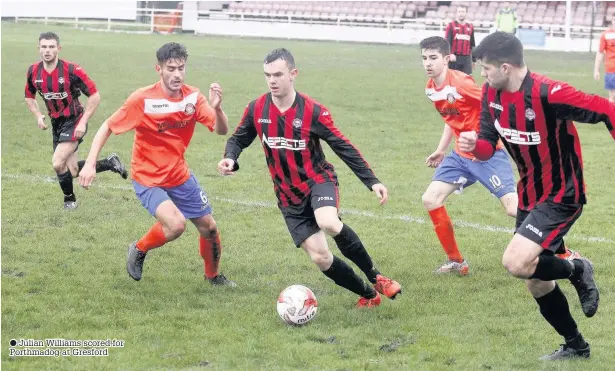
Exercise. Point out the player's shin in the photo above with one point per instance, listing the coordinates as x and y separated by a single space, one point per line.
210 249
444 230
351 247
66 184
343 275
552 268
152 239
101 165
554 308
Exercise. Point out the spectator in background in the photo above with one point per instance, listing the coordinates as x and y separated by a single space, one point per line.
606 54
460 37
506 20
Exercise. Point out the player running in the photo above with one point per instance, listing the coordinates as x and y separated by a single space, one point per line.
533 115
290 126
457 98
606 54
164 117
60 83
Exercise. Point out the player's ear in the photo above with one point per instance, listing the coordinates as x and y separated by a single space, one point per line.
158 69
447 58
294 73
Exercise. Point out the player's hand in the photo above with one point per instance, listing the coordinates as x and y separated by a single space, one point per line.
80 129
453 58
87 175
225 167
467 141
381 192
41 122
597 75
434 159
215 95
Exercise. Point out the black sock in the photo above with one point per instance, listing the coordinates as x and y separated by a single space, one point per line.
66 183
101 165
554 308
551 268
578 270
344 276
351 247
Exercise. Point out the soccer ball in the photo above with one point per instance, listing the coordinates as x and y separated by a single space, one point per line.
297 305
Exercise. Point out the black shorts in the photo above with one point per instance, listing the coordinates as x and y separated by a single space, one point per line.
547 224
463 64
63 130
300 219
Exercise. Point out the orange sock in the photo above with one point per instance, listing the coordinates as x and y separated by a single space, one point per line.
446 235
153 238
211 250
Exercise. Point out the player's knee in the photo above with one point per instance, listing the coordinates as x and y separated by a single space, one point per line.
331 226
511 211
59 165
431 201
515 266
176 227
323 259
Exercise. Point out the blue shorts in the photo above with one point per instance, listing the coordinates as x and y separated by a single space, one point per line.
189 198
495 174
609 81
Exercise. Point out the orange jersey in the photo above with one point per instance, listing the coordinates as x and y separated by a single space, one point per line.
607 46
458 101
163 129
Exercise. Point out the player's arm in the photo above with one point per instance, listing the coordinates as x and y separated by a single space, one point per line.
483 145
30 96
324 127
445 140
128 117
242 138
215 99
472 44
448 34
212 116
80 79
572 104
599 57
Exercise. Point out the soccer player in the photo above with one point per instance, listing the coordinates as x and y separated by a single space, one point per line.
607 53
290 126
457 98
164 116
60 83
460 37
533 115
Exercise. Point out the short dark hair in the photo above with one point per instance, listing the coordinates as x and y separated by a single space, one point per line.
499 48
462 6
171 51
49 36
436 43
283 54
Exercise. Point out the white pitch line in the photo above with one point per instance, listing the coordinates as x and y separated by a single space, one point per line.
366 214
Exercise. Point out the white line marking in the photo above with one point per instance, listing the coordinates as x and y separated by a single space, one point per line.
367 214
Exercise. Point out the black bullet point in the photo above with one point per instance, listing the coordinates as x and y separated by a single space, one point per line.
13 342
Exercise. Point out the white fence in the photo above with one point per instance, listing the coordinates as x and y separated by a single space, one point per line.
125 16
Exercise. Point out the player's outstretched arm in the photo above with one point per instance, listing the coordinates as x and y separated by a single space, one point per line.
242 138
572 104
326 130
88 173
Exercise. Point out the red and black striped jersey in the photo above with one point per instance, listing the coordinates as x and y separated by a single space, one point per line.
61 88
291 142
536 126
460 37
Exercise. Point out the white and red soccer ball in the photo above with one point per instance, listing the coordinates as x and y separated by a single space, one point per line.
297 305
